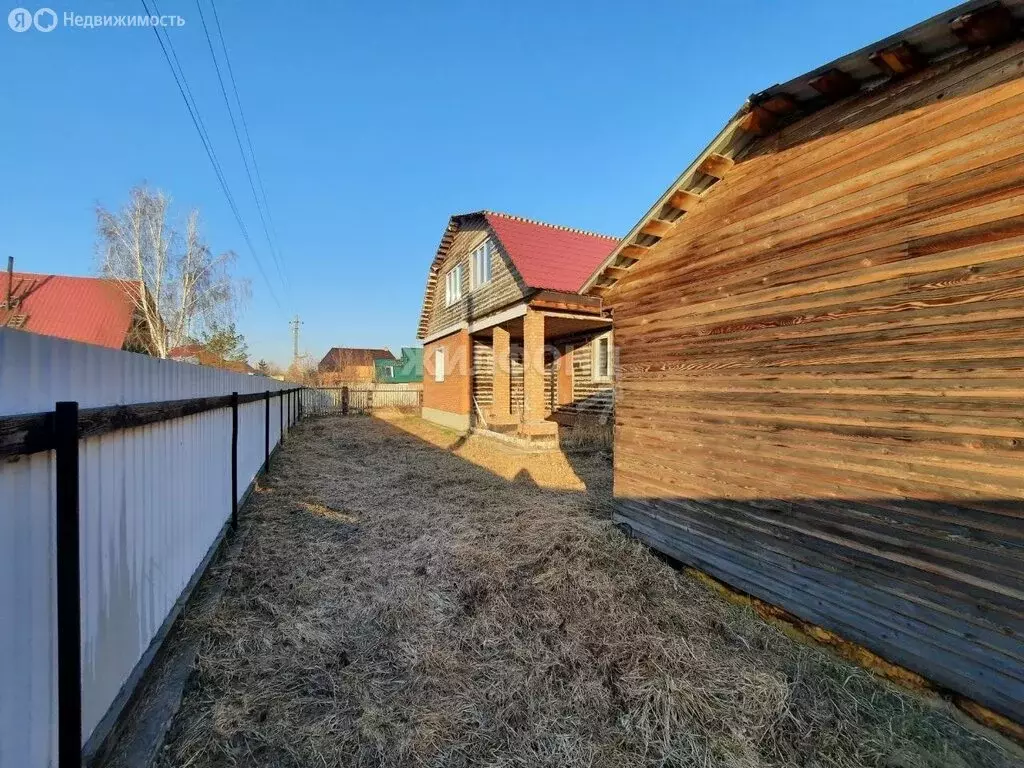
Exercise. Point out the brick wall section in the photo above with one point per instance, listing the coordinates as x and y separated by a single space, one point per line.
533 364
452 394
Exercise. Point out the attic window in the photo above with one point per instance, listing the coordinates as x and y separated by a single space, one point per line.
453 285
481 261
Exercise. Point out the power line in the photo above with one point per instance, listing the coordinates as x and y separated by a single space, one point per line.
193 110
245 130
238 140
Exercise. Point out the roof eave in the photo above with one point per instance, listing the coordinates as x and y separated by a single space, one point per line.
927 42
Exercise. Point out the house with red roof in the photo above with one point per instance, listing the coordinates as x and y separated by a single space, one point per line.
197 354
93 310
510 345
348 365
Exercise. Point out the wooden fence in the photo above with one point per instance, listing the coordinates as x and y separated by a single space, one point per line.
119 476
360 398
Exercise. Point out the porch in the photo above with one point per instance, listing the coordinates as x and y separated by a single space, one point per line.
550 366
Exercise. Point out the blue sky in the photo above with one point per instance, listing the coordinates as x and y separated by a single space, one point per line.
374 122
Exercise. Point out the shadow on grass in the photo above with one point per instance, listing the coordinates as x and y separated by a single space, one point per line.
407 598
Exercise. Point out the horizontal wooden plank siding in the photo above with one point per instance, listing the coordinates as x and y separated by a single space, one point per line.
820 393
483 375
589 396
504 288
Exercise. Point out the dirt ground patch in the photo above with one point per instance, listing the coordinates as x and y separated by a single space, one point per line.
407 597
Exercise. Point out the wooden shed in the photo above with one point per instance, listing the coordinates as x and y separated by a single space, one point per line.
820 330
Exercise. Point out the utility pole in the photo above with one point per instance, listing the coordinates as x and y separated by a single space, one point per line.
295 323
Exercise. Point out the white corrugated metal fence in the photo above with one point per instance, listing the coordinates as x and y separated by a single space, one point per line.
153 500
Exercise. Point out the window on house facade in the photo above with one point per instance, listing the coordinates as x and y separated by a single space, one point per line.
481 261
439 364
453 285
389 371
604 362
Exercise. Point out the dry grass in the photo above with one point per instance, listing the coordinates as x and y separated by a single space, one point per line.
588 435
407 598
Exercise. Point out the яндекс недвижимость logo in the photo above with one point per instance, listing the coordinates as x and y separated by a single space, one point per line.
45 20
22 19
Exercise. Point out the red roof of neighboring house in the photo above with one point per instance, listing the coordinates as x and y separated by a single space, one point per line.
549 256
339 358
93 310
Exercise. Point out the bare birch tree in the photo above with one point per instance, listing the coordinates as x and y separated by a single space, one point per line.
179 287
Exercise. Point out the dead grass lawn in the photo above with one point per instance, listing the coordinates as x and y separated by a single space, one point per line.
406 598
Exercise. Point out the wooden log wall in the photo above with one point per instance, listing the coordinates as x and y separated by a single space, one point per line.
821 397
504 288
589 397
483 374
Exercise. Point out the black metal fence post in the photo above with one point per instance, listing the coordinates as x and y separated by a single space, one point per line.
234 460
266 432
344 401
69 609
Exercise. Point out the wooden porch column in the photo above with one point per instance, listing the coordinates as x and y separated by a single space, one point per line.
501 409
533 366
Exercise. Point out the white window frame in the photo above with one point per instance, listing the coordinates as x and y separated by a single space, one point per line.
480 260
439 364
389 371
596 373
453 279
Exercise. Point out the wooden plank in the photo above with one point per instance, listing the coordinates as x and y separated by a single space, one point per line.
990 25
821 373
634 251
758 121
616 272
716 165
963 156
684 200
834 84
656 227
861 589
33 433
898 60
776 587
564 299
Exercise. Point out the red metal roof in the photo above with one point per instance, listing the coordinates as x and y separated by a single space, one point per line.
93 310
548 256
339 358
198 354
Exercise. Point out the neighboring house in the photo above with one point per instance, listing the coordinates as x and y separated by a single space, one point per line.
351 365
197 354
93 310
509 343
821 331
408 369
